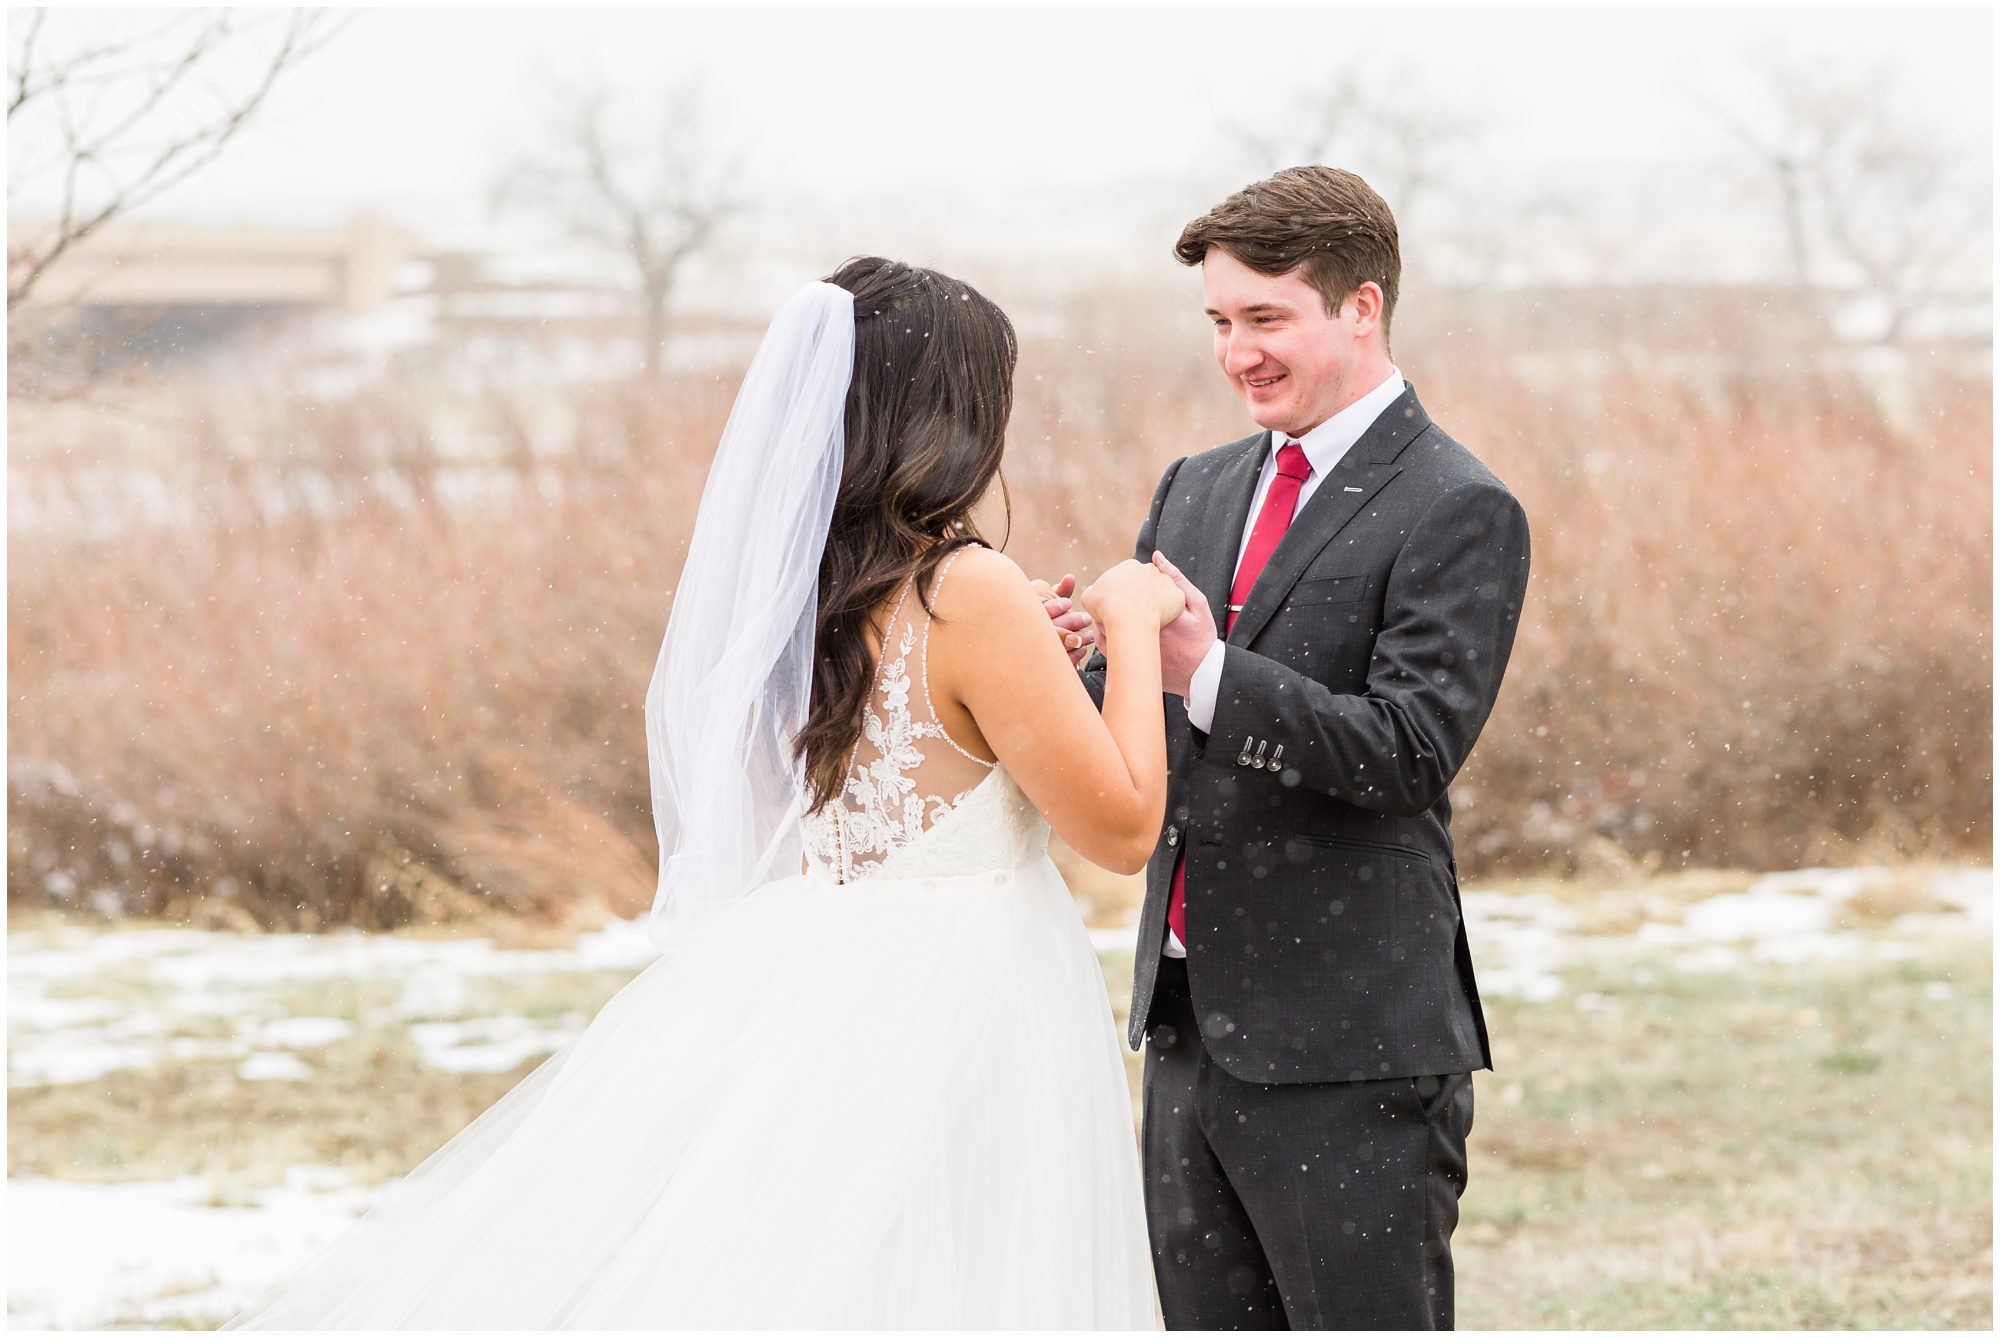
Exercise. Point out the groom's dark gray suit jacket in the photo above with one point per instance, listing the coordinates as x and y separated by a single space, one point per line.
1325 938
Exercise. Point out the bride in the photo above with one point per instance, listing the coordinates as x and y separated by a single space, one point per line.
873 1080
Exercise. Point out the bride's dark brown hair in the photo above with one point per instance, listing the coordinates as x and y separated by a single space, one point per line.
926 418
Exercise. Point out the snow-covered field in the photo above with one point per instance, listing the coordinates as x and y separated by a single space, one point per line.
160 1252
86 1003
58 1032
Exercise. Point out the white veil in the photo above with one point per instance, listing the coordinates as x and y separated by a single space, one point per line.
734 677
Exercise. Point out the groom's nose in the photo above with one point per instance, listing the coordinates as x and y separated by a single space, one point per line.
1240 353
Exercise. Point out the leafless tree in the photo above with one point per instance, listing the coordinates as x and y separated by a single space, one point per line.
127 118
1408 141
1419 146
1868 197
649 184
98 127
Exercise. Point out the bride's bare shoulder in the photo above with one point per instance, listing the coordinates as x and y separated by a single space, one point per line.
984 604
984 583
992 640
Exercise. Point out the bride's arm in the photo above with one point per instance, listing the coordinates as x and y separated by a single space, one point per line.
1100 779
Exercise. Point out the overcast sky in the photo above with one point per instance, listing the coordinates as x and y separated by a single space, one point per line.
1016 115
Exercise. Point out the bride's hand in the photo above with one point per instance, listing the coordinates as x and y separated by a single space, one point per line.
1072 624
1133 589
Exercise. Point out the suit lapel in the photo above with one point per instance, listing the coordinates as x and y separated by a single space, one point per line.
1361 473
1228 516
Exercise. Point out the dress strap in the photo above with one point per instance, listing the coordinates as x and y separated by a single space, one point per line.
924 668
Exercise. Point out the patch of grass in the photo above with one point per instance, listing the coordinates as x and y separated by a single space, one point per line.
1615 905
370 1107
353 998
1776 1147
128 984
1786 1147
545 997
1679 888
175 1324
1905 891
1851 1061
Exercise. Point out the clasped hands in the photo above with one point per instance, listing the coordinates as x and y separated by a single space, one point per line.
1186 633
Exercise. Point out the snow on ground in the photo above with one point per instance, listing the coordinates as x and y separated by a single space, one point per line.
80 1256
240 978
158 1252
1521 944
1523 941
489 1044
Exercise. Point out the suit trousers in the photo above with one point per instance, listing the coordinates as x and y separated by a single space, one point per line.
1296 1205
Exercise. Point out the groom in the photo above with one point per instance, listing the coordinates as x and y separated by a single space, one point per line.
1303 986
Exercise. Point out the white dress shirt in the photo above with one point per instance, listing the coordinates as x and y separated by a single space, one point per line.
1325 446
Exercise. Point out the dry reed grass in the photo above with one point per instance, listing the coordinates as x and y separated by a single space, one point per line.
1757 635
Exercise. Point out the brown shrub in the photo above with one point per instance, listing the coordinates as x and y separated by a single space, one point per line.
1757 633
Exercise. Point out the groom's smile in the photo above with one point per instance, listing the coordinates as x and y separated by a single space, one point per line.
1291 364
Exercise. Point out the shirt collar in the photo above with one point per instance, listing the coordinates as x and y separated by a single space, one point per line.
1326 444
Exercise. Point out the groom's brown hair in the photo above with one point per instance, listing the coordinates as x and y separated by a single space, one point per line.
1326 223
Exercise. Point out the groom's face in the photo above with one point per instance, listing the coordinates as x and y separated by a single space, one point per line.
1290 363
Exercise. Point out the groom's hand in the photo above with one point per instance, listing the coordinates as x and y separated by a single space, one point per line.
1185 641
1076 628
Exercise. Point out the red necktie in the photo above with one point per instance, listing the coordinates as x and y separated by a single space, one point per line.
1276 514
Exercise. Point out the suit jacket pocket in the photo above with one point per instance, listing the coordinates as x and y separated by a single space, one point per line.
1356 843
1359 888
1328 590
1321 631
1387 919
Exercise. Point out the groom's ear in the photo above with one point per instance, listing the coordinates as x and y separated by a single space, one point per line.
1367 303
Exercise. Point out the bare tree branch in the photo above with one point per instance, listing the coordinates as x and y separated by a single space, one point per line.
23 90
1867 198
1404 139
152 79
653 201
1415 143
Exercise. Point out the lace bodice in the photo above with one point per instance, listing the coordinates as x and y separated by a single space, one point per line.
914 803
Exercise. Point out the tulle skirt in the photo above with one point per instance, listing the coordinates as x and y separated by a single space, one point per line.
892 1104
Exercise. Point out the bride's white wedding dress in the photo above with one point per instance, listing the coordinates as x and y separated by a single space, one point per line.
884 1092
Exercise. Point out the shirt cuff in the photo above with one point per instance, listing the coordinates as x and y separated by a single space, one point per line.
1203 685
